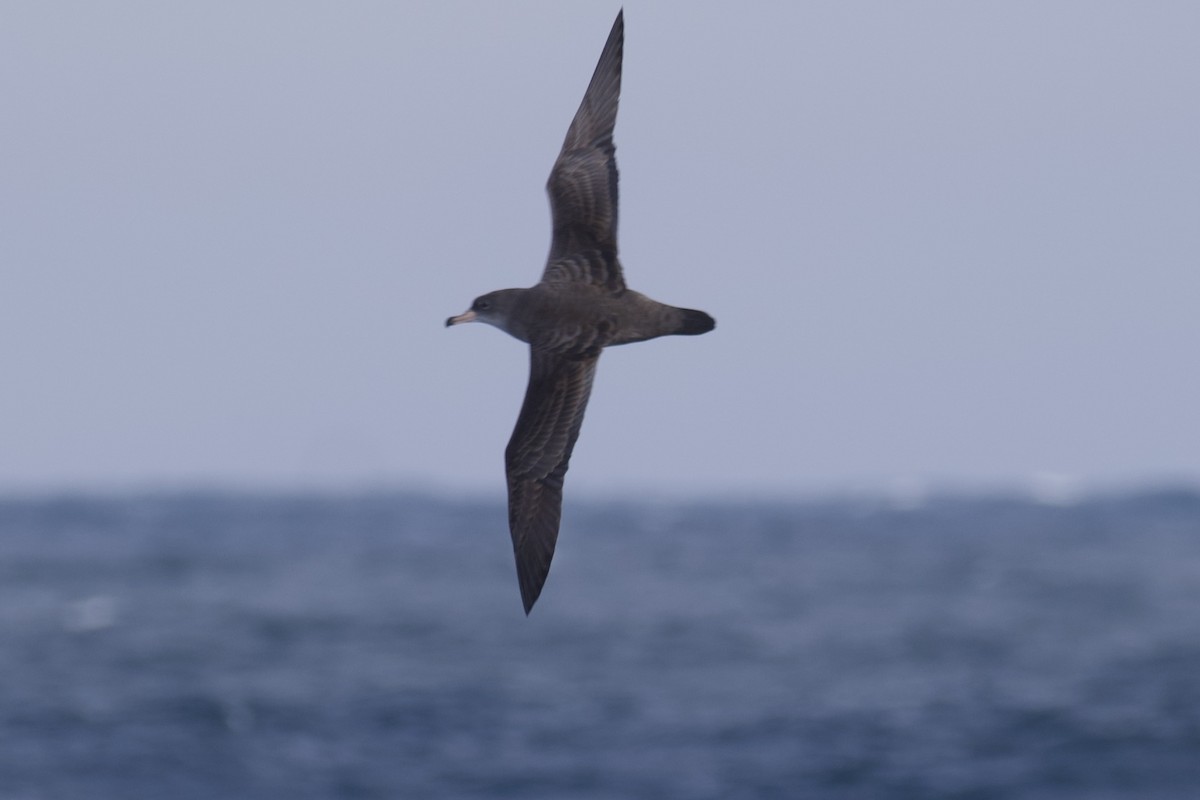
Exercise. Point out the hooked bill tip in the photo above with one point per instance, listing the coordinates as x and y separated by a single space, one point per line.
466 316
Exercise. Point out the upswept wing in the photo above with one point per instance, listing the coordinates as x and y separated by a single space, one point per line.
583 182
536 460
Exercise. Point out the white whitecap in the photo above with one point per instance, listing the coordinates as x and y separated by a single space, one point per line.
90 614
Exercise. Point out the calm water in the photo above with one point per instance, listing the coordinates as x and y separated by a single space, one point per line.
223 646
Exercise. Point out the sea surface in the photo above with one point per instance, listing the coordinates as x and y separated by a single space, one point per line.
223 645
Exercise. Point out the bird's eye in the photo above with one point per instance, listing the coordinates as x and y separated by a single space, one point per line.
482 305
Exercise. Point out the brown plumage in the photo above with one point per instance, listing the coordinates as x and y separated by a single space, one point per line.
579 307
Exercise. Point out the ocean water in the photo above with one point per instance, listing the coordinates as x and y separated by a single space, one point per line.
373 646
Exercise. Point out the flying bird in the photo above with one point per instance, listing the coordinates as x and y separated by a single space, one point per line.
580 306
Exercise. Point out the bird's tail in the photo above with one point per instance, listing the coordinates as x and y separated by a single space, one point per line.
692 322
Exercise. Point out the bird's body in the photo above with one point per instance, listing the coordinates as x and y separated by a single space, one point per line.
577 319
580 306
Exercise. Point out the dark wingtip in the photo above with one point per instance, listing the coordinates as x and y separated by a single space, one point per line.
695 322
529 595
531 580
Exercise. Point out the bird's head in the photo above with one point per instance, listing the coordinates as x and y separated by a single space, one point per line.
494 308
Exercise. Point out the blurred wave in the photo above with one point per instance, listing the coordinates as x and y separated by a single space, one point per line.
263 646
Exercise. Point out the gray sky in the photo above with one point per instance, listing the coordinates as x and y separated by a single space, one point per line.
945 243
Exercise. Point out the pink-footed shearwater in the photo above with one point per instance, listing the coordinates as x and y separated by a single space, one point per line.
579 307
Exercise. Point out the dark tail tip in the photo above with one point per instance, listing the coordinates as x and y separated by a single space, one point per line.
695 322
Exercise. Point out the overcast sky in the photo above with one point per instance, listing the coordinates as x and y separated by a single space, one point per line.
946 244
